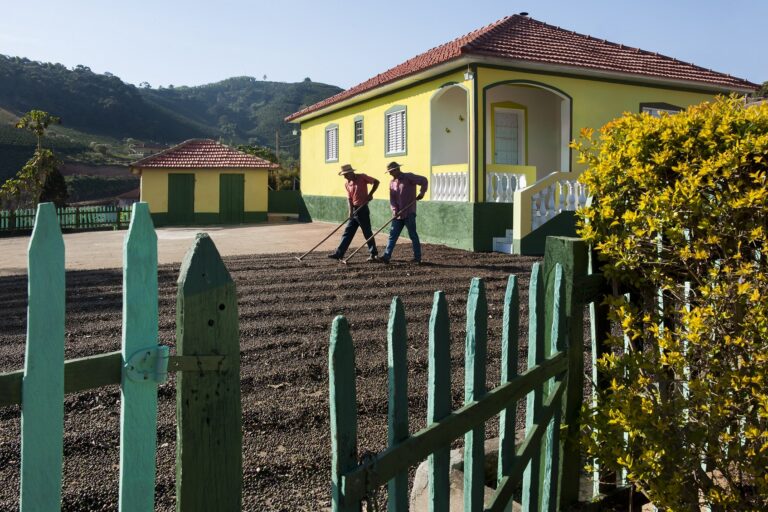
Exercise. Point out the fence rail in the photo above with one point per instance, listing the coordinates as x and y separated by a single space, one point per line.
546 464
209 444
73 217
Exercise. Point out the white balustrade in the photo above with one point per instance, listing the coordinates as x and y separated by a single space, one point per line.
542 201
556 197
450 186
500 187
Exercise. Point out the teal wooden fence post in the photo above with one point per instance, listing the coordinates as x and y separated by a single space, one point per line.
509 357
531 475
208 407
599 330
551 446
343 401
42 410
572 255
138 404
439 400
475 356
397 431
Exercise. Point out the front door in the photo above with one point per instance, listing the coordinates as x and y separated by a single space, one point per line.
509 139
231 198
181 199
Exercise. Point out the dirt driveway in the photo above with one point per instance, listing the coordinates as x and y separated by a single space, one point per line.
285 311
104 249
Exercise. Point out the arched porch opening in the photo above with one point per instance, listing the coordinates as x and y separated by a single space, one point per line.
526 135
449 144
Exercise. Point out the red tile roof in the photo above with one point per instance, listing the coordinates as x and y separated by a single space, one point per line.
521 38
203 154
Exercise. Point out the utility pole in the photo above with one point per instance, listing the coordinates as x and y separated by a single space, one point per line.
277 146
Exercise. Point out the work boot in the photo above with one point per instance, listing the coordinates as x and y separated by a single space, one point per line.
372 258
416 261
334 256
384 259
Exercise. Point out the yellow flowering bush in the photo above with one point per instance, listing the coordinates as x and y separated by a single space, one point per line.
679 218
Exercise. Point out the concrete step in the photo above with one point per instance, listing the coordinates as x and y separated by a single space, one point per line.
502 245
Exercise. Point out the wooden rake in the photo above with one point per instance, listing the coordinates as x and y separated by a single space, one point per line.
299 258
345 260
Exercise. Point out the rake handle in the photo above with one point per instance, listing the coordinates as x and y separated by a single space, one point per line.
345 260
331 233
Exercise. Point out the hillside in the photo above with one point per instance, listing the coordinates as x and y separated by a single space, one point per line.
104 117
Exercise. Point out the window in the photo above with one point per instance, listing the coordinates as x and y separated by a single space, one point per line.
396 133
508 136
358 135
655 109
332 143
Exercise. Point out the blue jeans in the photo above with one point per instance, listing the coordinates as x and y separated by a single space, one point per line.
361 219
394 233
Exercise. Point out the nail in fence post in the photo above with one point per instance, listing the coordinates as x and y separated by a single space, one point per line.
42 411
208 409
397 362
475 356
439 400
138 404
530 497
509 357
343 401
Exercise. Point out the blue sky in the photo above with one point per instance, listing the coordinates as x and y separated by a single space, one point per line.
344 43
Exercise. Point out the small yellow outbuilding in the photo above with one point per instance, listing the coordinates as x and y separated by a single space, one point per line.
201 181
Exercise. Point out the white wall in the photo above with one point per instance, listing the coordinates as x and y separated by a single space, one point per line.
545 133
450 127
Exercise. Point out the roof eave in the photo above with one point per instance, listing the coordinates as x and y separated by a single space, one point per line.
399 83
610 75
524 65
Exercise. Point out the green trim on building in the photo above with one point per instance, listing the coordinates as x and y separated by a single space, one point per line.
563 224
288 201
254 217
361 120
328 128
491 220
541 85
475 127
209 219
392 110
468 226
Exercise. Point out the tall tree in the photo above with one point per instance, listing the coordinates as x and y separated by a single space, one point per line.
37 122
39 178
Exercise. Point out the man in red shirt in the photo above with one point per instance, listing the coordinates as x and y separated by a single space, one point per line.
358 199
402 201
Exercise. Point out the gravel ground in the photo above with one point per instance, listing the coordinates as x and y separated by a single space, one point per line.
286 309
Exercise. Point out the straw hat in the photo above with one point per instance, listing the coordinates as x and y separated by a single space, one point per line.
392 166
346 169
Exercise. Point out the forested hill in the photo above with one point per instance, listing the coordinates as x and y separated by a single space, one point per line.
239 110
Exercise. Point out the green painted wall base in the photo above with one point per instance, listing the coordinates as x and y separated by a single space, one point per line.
288 201
209 219
563 224
468 226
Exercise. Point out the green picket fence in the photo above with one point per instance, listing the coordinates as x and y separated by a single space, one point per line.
209 442
546 464
73 217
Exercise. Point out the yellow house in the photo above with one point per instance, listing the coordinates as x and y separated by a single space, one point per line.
488 118
201 181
